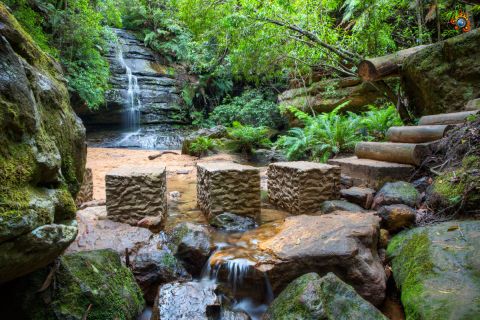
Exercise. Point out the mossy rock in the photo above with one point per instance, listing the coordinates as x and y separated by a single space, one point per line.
399 192
312 297
437 270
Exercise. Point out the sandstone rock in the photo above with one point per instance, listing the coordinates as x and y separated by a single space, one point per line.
361 196
264 157
134 193
345 242
339 205
212 133
192 244
154 264
42 154
445 76
228 187
86 189
232 223
312 297
383 239
301 187
396 193
436 269
397 217
186 301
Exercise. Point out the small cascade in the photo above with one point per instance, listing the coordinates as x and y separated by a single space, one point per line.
133 95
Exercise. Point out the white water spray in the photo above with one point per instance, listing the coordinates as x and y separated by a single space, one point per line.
133 95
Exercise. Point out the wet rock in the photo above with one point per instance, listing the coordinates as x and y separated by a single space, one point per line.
339 205
396 193
361 196
234 315
342 241
93 283
383 239
186 301
232 223
312 297
42 154
191 243
154 264
264 157
422 184
212 133
300 187
436 269
397 217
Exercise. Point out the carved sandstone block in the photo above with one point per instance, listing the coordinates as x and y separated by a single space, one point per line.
134 193
301 187
86 189
228 187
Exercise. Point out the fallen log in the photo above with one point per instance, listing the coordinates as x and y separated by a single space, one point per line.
446 118
417 134
374 69
155 156
404 153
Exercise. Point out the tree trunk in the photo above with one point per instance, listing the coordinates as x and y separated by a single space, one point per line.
417 134
405 153
381 67
446 118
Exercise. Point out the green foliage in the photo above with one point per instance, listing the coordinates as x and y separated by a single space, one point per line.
245 139
201 146
378 120
252 108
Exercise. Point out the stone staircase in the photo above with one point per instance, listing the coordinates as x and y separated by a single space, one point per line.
375 163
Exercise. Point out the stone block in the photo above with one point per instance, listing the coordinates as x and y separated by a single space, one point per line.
86 189
228 187
134 193
301 187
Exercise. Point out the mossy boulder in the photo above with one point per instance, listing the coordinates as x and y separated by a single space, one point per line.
445 76
217 132
437 270
399 192
42 154
313 297
90 285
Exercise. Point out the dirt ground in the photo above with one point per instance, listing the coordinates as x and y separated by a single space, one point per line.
102 160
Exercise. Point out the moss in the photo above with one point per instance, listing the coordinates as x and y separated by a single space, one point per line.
65 208
412 265
169 260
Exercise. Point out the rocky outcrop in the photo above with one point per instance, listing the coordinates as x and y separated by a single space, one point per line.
328 298
443 77
436 269
42 155
158 90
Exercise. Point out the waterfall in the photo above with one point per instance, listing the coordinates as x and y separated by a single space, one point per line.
133 95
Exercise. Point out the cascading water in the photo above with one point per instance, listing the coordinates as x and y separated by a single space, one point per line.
133 95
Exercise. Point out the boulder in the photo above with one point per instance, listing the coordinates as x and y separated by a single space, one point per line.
339 205
264 157
186 301
400 192
84 285
383 239
212 133
192 244
443 77
232 223
42 154
313 297
154 264
436 269
397 217
361 196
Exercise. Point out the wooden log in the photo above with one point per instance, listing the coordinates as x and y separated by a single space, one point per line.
417 134
404 153
374 69
446 118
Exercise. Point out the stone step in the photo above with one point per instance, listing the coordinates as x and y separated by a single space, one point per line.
372 173
446 118
417 134
404 153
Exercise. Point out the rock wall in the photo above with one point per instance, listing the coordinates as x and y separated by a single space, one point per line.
445 76
42 155
159 90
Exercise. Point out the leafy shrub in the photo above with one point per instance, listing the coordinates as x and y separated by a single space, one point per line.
245 139
252 108
378 120
200 146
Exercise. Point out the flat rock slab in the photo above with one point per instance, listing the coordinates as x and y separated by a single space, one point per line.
300 187
436 269
361 196
342 242
373 173
134 193
228 187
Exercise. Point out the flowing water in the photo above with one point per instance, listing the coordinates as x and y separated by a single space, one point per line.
134 103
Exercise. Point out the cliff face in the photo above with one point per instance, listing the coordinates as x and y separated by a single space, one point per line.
137 75
445 76
42 155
